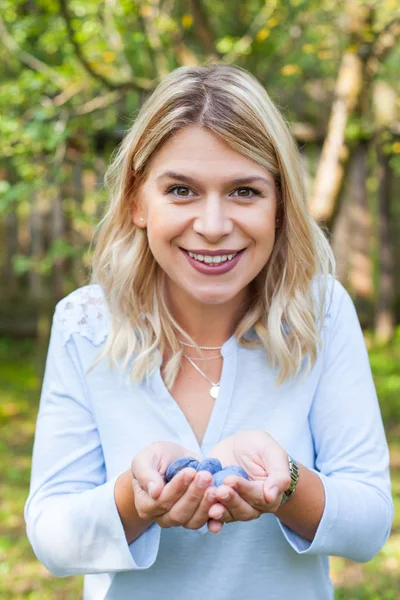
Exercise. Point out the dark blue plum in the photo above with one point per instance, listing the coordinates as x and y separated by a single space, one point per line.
212 465
179 464
219 477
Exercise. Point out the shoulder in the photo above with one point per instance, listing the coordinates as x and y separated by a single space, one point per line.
339 309
332 296
84 312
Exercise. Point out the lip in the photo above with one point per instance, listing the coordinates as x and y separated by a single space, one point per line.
220 252
224 267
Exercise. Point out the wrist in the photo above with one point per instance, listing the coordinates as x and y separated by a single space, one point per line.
124 499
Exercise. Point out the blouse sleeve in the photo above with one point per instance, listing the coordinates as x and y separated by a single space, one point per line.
72 520
351 452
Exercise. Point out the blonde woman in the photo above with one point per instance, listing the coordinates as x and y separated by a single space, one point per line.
213 327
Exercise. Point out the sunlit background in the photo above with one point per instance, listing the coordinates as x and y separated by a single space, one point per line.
73 76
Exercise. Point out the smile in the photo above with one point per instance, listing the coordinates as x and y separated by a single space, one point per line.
212 260
213 263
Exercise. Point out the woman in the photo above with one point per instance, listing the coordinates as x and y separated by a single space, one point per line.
222 333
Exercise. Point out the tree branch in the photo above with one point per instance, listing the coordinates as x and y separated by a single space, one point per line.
386 39
115 39
135 83
28 59
203 29
148 14
384 42
247 39
98 103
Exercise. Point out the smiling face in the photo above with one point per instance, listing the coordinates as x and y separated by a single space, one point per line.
196 211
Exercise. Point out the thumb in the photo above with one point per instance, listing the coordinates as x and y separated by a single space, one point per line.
271 492
148 478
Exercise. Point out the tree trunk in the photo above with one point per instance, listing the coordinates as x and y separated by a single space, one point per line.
58 230
341 238
36 249
11 241
329 176
385 111
384 318
360 268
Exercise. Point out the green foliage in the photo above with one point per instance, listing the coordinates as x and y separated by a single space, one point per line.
57 87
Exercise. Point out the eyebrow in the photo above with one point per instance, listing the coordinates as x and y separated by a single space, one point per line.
181 177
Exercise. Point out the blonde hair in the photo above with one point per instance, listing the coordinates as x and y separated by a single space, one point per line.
231 103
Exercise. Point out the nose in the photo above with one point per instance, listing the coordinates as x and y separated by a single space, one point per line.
213 220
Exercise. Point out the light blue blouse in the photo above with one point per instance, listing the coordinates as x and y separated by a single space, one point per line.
89 427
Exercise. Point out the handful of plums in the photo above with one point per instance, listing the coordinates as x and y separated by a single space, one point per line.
212 465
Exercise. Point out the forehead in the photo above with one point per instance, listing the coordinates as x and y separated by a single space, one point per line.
198 152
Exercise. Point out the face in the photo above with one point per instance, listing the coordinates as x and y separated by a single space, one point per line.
210 234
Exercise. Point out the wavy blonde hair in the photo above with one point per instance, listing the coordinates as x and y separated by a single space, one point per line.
231 103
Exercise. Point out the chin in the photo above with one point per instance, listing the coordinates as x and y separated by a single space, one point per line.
213 297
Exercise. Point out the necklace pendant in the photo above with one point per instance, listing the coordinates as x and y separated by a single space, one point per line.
214 391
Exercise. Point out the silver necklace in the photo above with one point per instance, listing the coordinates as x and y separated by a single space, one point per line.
214 390
202 347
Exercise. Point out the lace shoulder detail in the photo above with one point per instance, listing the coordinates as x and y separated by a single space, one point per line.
84 311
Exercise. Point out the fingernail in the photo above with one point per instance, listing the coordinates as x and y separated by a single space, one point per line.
225 496
151 489
203 481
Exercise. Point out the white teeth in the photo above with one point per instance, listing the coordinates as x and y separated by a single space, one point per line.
215 260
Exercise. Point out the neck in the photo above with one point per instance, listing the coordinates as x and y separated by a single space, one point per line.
207 324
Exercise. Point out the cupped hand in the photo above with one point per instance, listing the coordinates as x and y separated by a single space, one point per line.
266 463
184 501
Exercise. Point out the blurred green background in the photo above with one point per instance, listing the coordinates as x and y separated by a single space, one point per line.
73 76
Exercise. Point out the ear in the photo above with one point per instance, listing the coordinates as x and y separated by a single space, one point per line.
279 217
138 217
137 208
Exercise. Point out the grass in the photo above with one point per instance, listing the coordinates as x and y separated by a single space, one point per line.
21 574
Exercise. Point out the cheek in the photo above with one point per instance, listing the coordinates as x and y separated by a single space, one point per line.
162 229
261 228
165 222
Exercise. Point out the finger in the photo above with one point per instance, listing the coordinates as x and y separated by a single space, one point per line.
147 475
238 508
258 493
186 507
272 494
220 513
250 491
278 474
150 465
275 486
170 494
214 526
200 516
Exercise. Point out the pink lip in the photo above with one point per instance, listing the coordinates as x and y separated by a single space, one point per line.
224 267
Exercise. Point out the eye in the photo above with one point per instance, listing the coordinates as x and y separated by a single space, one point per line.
251 189
178 187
